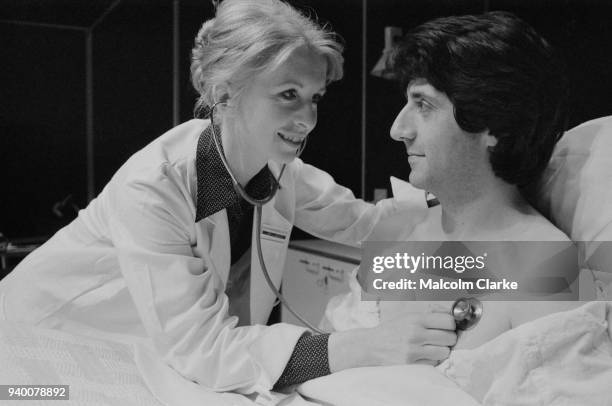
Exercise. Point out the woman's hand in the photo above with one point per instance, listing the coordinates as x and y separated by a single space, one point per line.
412 338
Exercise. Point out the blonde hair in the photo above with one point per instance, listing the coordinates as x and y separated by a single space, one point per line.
247 37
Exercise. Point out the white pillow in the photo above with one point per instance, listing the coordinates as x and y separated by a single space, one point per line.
575 190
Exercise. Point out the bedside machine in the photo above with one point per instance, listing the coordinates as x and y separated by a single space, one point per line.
315 271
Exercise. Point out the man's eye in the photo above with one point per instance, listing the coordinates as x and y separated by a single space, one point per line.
289 94
316 99
421 105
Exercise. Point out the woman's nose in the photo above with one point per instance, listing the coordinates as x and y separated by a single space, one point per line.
306 117
403 126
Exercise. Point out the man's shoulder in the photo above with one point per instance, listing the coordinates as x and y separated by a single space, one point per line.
536 227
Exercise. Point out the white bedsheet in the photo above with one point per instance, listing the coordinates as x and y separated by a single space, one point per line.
401 385
561 359
105 372
98 372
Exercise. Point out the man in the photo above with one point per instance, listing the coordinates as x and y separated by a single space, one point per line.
485 107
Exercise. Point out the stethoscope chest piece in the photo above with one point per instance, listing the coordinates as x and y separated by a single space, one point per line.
467 312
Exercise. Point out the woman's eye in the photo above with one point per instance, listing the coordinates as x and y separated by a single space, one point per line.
289 94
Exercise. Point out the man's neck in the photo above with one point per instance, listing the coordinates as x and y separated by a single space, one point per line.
479 210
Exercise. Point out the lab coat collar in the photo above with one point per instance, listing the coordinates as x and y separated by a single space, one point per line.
215 191
215 187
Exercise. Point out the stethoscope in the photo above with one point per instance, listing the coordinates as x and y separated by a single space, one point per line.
258 204
466 311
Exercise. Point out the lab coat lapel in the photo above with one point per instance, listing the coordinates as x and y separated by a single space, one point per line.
275 232
219 255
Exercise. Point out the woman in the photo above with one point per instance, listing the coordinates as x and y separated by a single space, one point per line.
163 253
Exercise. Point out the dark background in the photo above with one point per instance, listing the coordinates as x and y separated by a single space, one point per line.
42 84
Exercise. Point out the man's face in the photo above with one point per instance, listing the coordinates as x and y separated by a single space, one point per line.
443 158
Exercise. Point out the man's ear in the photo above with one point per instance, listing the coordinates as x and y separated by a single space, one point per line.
489 139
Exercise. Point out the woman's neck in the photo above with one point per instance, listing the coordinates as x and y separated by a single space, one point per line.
243 162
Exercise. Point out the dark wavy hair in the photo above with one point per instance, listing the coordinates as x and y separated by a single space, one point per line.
500 75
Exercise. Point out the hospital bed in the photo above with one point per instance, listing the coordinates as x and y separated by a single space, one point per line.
563 358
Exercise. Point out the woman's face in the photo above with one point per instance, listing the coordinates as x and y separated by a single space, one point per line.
278 108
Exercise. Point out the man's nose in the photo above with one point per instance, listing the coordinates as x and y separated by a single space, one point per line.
403 126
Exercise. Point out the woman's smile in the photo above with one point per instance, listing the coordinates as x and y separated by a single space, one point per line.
294 141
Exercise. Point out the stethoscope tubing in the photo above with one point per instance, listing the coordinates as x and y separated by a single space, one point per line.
464 322
262 263
258 204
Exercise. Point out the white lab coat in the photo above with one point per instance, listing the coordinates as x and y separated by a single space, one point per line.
136 265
